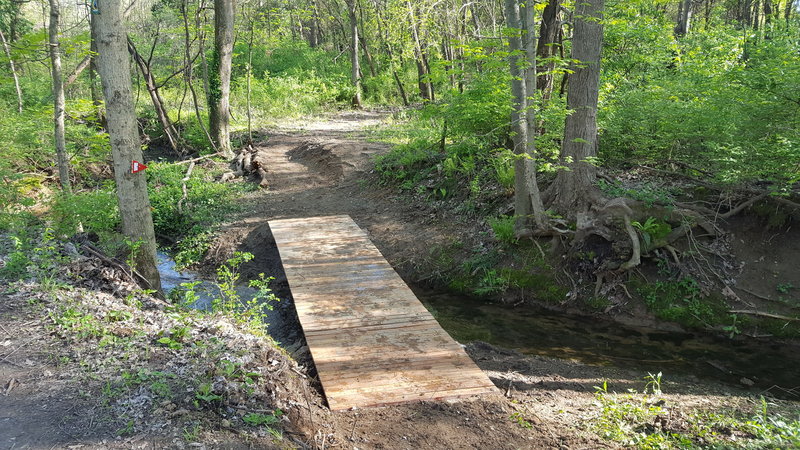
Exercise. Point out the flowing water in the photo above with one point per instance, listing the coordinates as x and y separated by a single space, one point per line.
535 331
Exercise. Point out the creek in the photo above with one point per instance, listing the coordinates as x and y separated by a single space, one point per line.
536 331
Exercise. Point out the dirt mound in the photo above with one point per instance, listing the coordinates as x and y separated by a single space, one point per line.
318 158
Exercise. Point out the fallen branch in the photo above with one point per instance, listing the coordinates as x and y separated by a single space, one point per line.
742 206
199 158
753 312
183 187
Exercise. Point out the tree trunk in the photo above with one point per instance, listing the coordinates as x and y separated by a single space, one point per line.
189 78
522 202
158 104
113 65
549 39
13 68
58 98
532 184
684 18
313 33
573 186
220 76
423 72
355 73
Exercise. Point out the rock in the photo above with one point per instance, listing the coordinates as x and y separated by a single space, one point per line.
746 381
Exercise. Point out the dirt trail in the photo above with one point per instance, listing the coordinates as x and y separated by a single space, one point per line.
324 169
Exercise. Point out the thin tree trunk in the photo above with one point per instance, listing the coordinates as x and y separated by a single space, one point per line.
522 202
355 73
13 68
423 72
249 76
158 104
684 18
532 184
189 69
113 65
220 81
573 186
58 99
313 33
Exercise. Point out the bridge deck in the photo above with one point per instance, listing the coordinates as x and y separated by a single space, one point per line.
372 340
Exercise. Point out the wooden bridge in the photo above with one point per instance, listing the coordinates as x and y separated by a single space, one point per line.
372 341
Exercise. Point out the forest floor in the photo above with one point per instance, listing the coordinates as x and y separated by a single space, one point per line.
69 381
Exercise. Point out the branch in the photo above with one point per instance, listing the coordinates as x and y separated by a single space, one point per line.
753 312
81 66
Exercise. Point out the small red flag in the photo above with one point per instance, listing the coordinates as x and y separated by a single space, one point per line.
136 166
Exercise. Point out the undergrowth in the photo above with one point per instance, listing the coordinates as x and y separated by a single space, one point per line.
648 420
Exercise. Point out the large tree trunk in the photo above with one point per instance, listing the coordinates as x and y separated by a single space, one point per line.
522 202
684 18
58 98
355 73
573 186
13 68
113 65
220 77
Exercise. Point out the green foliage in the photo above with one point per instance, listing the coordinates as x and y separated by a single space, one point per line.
632 419
652 230
251 313
259 419
503 227
96 210
207 204
715 99
682 301
649 194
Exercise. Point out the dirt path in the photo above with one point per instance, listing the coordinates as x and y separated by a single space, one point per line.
325 169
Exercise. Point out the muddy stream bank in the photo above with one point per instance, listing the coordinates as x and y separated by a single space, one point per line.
534 331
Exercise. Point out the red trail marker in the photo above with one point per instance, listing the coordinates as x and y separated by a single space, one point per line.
136 166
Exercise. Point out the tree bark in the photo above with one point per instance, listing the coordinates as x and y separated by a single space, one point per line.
13 68
423 72
58 98
220 76
113 65
573 186
355 73
522 203
684 18
549 39
531 182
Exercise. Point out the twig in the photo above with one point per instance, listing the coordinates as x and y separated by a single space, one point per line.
18 348
199 158
753 312
183 187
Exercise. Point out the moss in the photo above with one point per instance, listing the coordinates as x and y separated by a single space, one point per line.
542 285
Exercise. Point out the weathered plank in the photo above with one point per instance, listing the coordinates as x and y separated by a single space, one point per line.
371 339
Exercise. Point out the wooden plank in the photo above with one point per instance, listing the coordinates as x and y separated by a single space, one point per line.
371 339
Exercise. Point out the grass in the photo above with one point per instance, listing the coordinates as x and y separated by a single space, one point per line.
647 420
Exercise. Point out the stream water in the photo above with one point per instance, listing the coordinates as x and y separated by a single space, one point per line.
587 340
